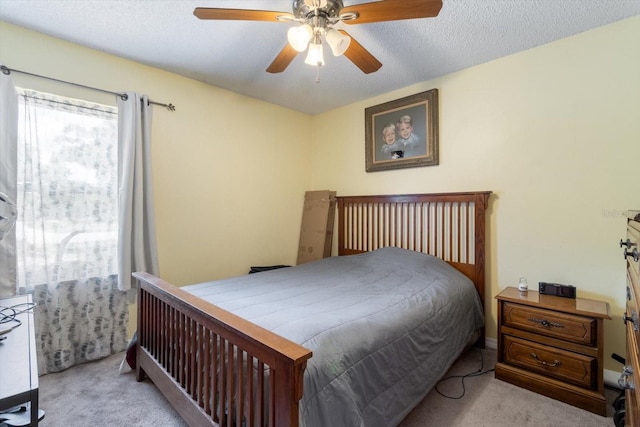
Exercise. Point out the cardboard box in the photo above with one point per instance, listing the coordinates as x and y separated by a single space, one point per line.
316 232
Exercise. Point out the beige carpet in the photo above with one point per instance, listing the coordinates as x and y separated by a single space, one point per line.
94 394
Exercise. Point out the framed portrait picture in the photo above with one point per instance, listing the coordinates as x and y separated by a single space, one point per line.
402 133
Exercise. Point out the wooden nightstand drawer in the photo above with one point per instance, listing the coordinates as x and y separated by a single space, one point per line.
552 362
564 326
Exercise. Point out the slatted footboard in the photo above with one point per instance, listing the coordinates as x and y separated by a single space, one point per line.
214 367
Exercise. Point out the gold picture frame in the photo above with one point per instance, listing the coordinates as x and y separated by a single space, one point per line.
402 133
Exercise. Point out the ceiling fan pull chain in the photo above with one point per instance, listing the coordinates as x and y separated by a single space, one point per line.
317 74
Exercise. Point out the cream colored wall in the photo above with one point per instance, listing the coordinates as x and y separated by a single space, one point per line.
554 132
230 171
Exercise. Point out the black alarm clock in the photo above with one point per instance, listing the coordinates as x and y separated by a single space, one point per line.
556 289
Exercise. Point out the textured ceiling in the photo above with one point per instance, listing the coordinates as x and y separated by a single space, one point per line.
234 55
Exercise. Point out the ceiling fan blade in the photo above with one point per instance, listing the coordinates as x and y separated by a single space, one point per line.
361 56
240 14
393 10
282 61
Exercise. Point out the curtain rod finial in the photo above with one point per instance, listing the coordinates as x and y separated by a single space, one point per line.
5 70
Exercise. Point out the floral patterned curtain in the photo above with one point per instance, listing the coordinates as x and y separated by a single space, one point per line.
67 228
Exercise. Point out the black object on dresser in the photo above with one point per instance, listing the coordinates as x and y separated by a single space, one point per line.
557 289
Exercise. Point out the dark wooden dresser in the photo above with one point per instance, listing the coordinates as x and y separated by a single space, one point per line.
630 378
553 346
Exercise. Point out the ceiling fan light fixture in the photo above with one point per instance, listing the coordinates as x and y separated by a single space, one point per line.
299 37
314 56
338 42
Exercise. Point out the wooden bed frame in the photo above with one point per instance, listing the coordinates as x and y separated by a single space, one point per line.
215 367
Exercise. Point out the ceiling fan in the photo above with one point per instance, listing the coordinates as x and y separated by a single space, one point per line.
317 18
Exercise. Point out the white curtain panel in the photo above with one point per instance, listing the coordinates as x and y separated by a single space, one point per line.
8 189
67 228
67 192
78 321
137 249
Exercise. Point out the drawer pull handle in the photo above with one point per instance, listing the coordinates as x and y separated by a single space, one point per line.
633 319
625 382
546 323
543 363
628 243
634 253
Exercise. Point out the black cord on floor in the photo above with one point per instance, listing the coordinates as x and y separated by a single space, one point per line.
477 373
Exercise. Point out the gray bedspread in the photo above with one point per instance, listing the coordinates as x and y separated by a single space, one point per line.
383 326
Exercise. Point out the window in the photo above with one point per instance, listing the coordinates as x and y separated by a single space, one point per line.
67 189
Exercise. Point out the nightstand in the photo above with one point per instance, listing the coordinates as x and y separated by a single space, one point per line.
553 346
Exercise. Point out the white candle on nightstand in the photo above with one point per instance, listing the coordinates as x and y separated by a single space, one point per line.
523 286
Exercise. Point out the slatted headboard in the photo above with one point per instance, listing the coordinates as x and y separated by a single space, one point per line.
450 226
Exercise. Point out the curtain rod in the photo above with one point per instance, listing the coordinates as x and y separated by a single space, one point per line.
7 71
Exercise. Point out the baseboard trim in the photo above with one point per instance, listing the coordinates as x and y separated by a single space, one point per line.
491 343
611 378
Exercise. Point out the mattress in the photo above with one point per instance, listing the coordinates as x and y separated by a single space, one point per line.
383 326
